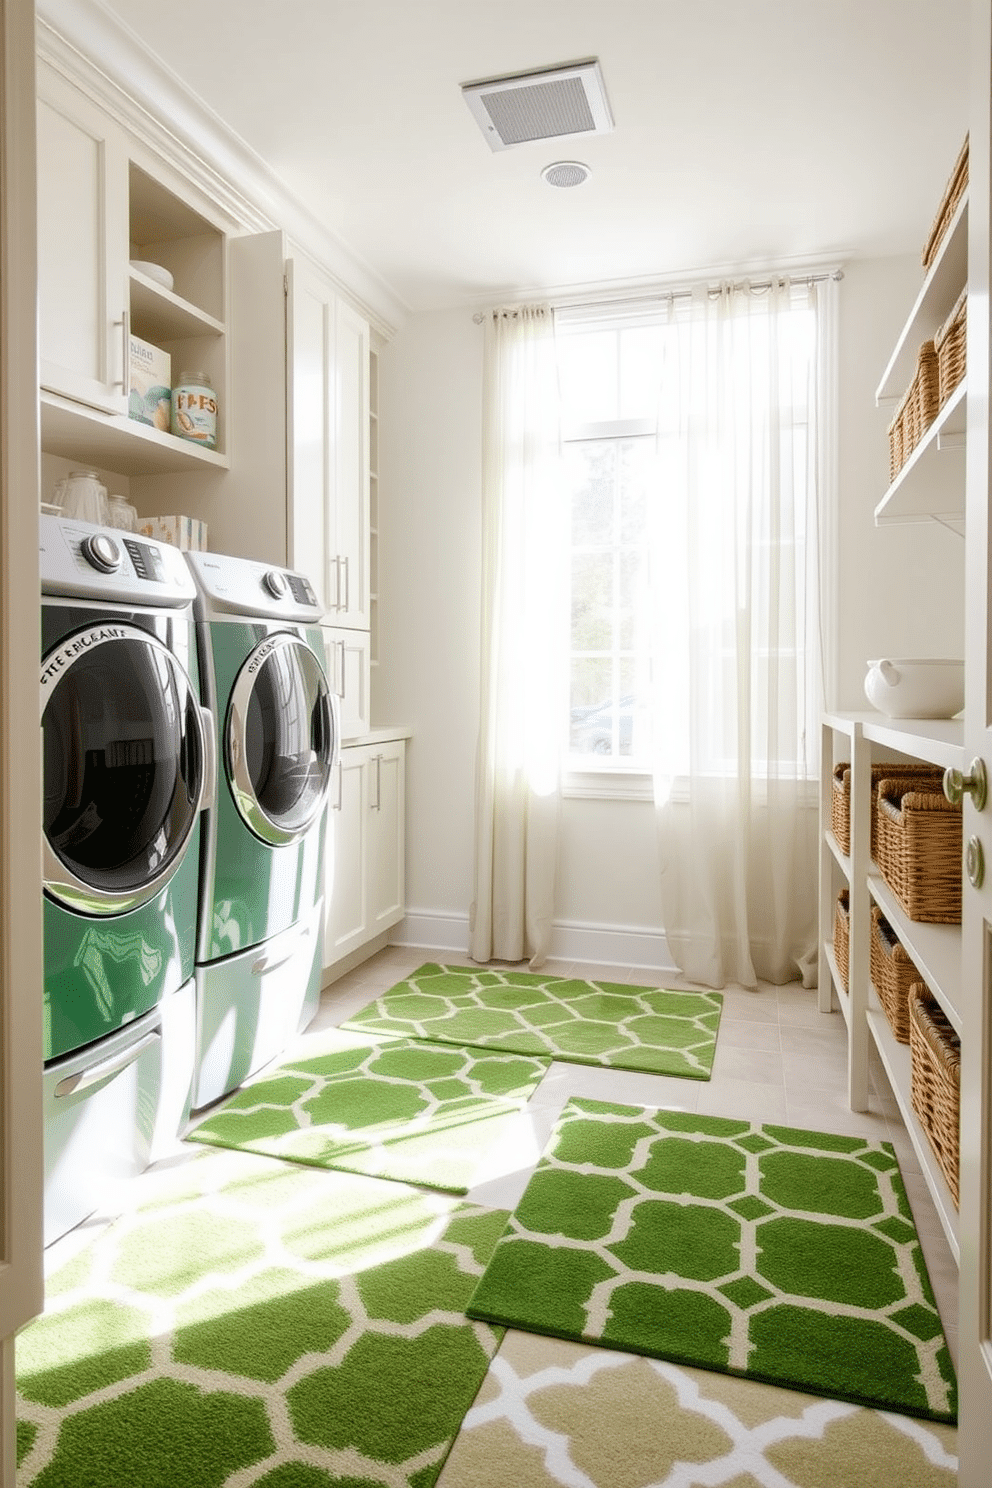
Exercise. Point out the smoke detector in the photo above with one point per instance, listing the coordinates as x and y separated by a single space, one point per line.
548 104
565 173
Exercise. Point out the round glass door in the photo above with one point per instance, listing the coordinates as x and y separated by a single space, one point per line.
123 767
280 739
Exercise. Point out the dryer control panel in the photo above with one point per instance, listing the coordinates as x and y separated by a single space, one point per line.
242 586
80 560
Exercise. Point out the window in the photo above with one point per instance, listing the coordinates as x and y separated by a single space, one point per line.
667 415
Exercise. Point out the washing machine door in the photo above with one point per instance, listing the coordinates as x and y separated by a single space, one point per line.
123 767
280 739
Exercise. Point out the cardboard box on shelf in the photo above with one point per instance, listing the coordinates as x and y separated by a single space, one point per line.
150 384
182 532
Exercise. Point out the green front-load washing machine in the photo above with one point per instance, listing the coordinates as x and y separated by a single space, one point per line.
260 937
128 766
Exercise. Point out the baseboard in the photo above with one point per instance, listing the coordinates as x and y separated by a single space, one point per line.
597 945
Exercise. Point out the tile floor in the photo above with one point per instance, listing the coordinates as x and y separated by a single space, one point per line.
777 1059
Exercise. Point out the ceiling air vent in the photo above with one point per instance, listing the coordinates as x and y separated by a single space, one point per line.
548 104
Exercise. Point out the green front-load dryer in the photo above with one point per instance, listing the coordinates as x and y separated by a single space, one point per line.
260 937
128 766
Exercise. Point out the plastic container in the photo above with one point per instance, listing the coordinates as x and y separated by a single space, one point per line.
86 498
194 409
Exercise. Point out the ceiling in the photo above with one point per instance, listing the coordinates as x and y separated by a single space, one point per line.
747 132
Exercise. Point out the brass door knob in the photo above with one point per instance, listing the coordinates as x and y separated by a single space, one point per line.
975 784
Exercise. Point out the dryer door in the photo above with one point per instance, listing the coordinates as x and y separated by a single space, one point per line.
280 739
124 767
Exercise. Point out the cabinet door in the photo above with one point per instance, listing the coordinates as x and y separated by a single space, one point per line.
346 873
975 1309
351 504
82 250
387 845
311 393
348 666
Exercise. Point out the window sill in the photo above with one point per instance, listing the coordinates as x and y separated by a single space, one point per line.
613 782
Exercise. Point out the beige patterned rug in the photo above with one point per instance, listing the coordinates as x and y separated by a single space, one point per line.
554 1414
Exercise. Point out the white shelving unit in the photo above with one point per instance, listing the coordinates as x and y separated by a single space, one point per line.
863 739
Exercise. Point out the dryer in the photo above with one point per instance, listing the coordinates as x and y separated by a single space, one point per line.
260 937
128 764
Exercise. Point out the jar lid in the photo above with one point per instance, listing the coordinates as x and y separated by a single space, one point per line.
196 378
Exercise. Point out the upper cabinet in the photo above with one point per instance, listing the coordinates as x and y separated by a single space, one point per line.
328 371
102 207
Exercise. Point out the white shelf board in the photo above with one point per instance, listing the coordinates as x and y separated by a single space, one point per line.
898 1066
842 723
930 486
935 741
944 281
113 442
934 949
156 312
842 996
843 861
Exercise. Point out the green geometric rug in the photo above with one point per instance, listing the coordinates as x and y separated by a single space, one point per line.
764 1251
258 1323
429 1114
602 1023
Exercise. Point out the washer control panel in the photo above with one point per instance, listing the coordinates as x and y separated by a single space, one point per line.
242 586
81 560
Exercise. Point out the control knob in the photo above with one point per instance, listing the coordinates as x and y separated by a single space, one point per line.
276 584
101 552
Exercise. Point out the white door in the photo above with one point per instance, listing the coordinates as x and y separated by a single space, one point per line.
82 250
21 1287
351 502
975 1323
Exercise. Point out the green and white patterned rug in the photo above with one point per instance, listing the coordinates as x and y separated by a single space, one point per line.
430 1114
581 1022
764 1251
258 1323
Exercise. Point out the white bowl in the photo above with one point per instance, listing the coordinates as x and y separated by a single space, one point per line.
911 687
153 271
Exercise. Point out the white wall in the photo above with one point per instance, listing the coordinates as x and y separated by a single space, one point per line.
899 591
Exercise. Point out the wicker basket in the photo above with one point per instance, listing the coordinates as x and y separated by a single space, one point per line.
918 850
935 1051
892 974
953 193
917 409
950 346
840 795
842 935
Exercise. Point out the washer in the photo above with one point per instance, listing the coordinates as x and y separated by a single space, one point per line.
128 762
260 938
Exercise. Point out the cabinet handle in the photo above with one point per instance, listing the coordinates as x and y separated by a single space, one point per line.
957 786
124 381
347 581
340 800
377 803
343 688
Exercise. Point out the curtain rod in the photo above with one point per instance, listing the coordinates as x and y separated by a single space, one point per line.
660 295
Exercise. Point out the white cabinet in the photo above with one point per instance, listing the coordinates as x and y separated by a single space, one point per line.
104 201
82 250
364 882
329 447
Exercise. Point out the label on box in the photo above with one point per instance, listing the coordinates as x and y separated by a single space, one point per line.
150 383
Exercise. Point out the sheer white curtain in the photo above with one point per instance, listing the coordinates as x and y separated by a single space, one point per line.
524 640
740 691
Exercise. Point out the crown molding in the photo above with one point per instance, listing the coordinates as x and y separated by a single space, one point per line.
98 54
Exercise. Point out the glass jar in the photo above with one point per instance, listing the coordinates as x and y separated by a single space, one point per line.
194 409
123 514
86 497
